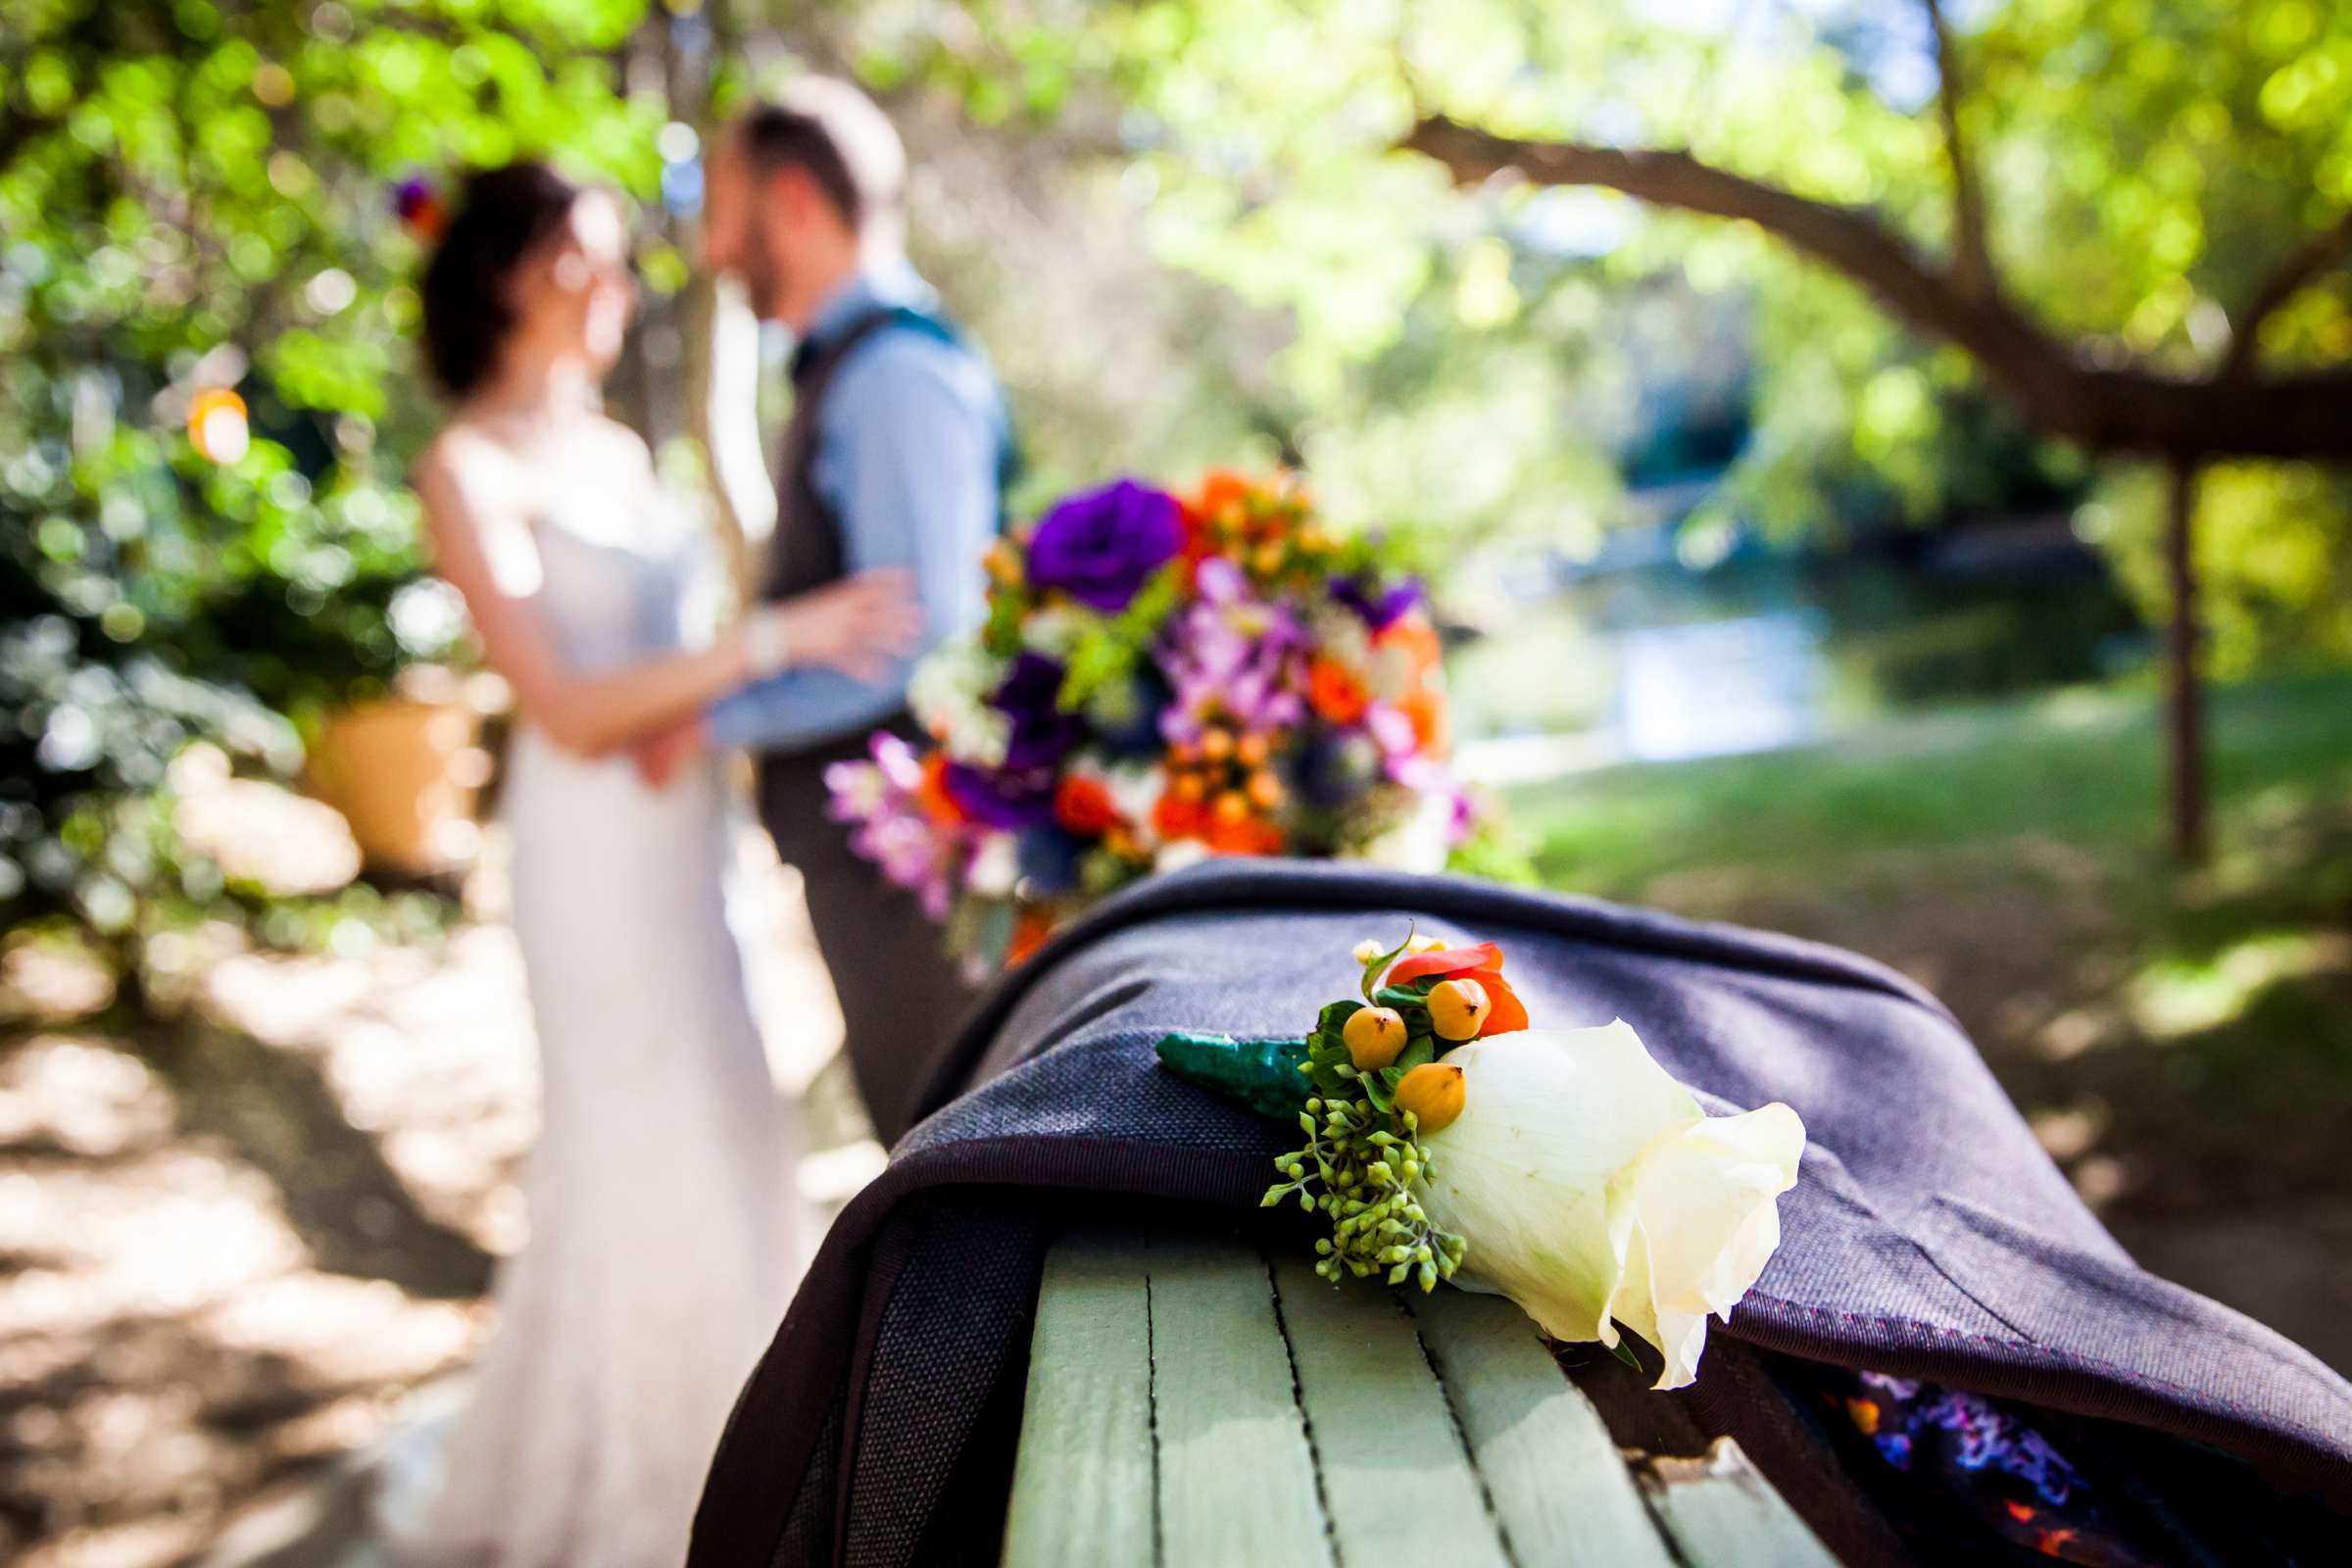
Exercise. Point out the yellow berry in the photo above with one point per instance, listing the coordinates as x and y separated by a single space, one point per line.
1216 744
1232 807
1435 1093
1458 1008
1265 791
1426 945
1268 556
1188 787
1251 750
1375 1037
1368 950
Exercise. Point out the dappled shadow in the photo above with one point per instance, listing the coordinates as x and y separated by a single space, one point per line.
275 1109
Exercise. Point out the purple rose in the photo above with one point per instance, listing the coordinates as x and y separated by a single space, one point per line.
1031 698
1102 546
1021 792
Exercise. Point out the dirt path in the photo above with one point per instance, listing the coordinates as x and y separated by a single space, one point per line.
230 1247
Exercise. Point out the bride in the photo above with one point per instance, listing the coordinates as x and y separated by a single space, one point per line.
661 1194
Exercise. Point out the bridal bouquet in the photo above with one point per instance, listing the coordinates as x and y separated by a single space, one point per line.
1160 679
1563 1168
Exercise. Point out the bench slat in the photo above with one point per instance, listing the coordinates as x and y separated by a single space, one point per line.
1724 1514
1082 1485
1558 1483
1237 1480
1396 1477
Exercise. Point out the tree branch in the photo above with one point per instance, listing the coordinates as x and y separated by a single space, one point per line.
1971 256
2320 251
1852 240
2129 409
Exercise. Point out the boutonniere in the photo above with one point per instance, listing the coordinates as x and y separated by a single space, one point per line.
1563 1168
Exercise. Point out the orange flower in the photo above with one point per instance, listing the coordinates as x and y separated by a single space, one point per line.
1220 489
1084 807
1178 818
1482 962
1425 705
1414 635
1029 934
940 806
1248 835
1335 694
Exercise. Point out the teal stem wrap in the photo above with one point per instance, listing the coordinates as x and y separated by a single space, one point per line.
1262 1074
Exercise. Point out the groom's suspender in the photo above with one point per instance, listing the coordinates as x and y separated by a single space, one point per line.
808 550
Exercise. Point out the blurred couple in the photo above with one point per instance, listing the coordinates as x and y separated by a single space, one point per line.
666 1229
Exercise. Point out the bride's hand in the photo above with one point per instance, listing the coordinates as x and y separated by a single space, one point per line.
858 625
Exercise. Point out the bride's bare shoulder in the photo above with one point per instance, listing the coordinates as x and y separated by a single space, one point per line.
626 446
466 463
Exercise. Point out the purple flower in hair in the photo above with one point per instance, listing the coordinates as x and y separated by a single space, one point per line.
1101 546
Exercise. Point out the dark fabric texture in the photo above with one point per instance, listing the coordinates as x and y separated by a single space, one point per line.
1929 1236
901 994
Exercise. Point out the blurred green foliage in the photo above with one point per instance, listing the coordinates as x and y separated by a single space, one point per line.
1179 224
200 194
1479 357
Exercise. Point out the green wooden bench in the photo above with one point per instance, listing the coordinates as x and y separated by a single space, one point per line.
1192 1403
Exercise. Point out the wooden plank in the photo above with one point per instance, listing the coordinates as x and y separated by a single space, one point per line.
1396 1479
1237 1479
1559 1483
1082 1479
1723 1513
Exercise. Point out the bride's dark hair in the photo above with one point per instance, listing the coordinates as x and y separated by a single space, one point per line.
502 214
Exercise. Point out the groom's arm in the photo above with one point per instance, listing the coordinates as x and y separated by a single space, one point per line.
907 459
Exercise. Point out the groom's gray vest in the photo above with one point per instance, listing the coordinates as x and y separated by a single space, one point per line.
1929 1235
901 995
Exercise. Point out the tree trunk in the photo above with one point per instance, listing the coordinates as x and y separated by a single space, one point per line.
2184 692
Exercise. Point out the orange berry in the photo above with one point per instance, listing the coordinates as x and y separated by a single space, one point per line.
1375 1037
1265 791
1232 807
1435 1093
1458 1008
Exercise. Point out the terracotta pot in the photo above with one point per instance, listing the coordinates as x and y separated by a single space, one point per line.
405 772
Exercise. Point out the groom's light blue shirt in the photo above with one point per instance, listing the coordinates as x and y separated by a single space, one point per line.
907 452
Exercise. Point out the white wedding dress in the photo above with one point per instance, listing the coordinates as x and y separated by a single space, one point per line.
666 1228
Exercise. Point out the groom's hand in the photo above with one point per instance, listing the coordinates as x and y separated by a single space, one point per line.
661 755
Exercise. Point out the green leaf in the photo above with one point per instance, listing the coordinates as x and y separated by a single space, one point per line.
1376 967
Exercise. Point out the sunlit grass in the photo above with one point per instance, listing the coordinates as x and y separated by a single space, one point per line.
2080 765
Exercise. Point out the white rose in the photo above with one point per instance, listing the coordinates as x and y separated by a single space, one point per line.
1594 1191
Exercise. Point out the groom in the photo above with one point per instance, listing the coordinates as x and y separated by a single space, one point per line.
894 457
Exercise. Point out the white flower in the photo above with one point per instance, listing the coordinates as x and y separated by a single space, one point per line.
1179 854
1135 790
1594 1191
1053 630
949 695
1420 843
996 867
